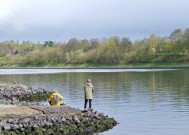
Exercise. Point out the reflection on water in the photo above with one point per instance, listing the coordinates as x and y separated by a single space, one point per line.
144 103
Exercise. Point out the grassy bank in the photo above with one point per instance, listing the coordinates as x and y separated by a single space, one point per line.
136 65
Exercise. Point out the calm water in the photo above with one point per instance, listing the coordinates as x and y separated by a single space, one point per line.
144 102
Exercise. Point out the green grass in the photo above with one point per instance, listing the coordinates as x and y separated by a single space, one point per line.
150 64
160 64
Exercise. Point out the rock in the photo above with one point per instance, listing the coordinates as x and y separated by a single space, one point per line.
6 127
75 119
10 121
17 93
63 119
48 124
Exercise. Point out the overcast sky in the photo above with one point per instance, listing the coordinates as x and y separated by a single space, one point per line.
61 20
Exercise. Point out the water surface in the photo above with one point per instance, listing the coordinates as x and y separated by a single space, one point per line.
144 102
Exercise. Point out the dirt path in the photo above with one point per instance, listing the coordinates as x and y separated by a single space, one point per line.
13 110
9 110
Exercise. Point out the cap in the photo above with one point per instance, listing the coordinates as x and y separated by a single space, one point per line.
88 80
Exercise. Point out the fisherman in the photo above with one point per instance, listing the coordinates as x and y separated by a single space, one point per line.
88 89
55 98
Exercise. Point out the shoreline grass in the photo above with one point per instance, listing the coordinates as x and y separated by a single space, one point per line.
101 66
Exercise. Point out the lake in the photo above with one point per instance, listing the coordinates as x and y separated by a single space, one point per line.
144 102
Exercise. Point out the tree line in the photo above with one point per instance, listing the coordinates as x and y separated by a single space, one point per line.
107 51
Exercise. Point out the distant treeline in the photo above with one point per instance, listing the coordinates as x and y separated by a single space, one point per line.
106 51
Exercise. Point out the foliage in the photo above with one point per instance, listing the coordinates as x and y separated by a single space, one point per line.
106 51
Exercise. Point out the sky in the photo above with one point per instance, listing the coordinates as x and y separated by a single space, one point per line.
61 20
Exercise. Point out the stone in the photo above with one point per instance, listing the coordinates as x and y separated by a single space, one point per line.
75 119
6 127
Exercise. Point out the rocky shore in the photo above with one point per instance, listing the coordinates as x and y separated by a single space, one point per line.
32 119
62 120
22 95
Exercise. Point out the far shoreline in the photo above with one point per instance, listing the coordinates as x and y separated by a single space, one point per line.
104 67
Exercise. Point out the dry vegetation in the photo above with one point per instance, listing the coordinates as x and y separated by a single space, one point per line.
12 110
